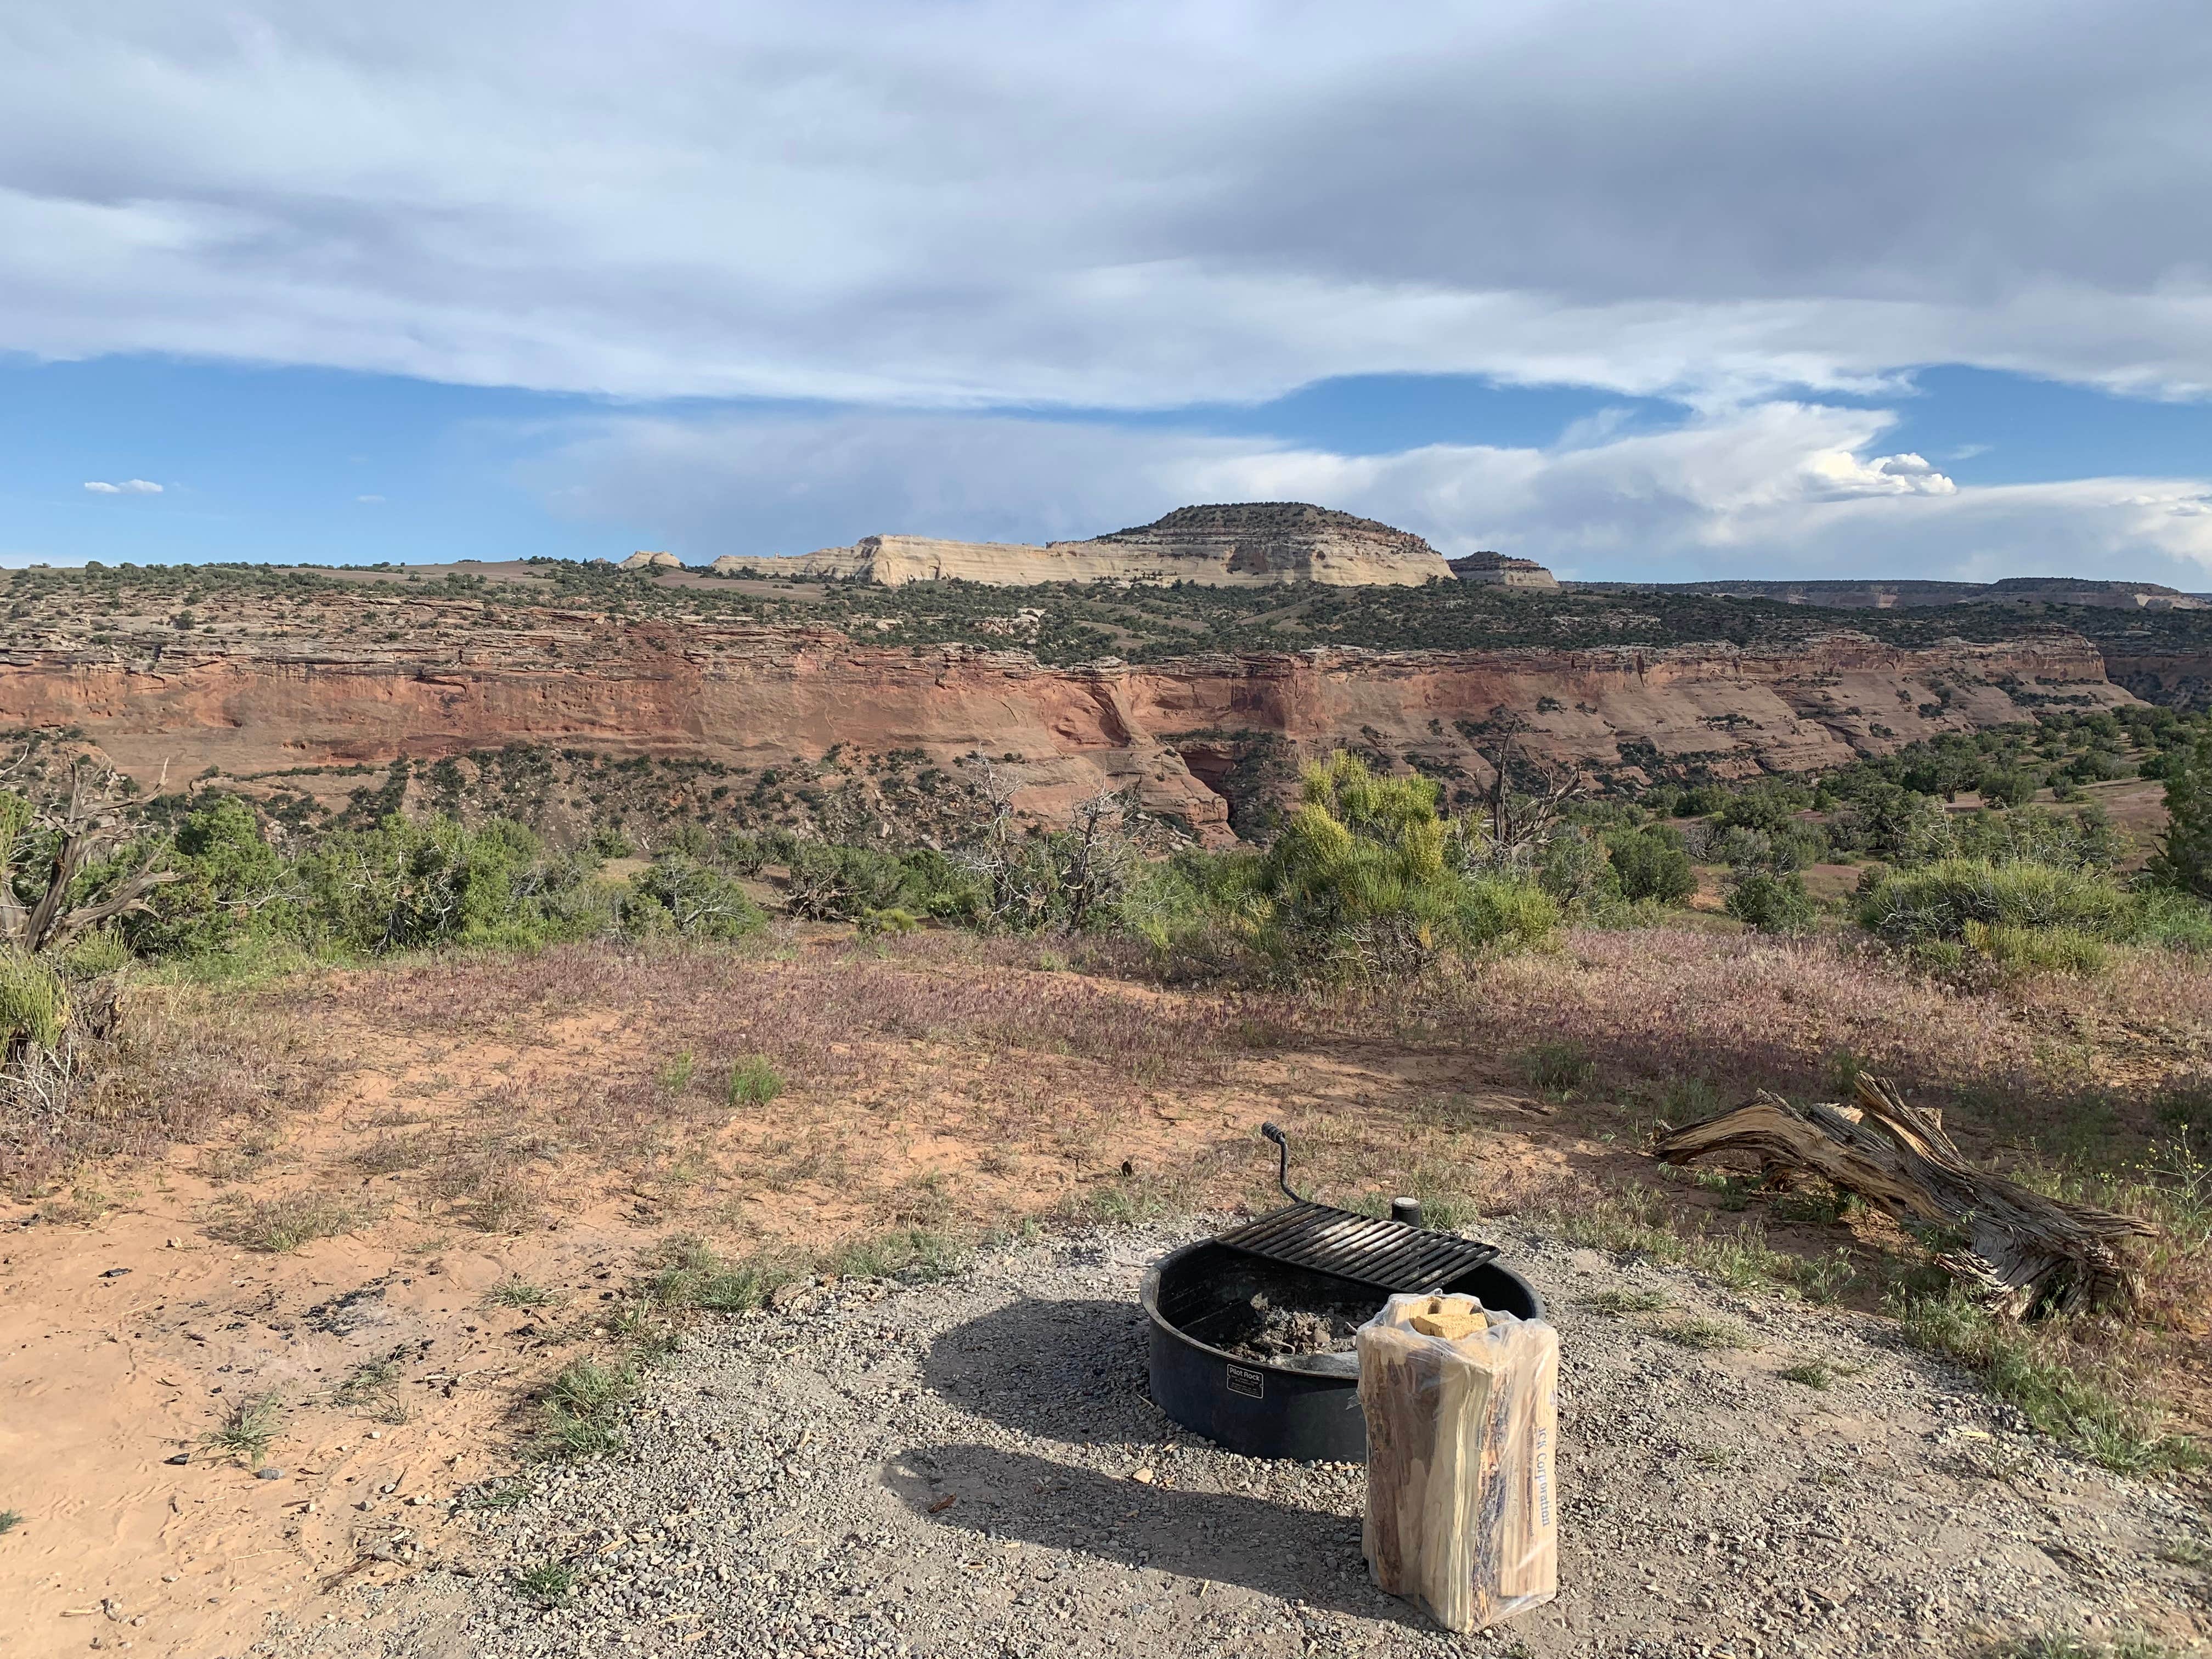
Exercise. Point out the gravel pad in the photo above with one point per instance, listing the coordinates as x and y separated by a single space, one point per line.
973 1469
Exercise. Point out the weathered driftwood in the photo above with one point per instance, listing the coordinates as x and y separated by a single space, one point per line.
2026 1253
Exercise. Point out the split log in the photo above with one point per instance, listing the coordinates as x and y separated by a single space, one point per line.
2026 1253
1461 1418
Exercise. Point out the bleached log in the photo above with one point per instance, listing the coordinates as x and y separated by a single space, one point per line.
2024 1252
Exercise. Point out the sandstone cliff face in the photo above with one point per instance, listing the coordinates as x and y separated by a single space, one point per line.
2178 679
1497 571
1250 545
756 695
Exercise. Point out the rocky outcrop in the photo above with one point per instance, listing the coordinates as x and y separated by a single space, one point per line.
756 695
1249 544
1497 571
645 561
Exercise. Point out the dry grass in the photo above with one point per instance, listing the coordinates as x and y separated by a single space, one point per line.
923 1089
249 1425
284 1223
181 1061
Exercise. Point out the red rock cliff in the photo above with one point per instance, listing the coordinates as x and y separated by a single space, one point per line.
755 696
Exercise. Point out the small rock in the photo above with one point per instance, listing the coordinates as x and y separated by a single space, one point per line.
181 1457
115 1272
1143 1477
272 1473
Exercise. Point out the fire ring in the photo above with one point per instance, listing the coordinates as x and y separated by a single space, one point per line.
1214 1307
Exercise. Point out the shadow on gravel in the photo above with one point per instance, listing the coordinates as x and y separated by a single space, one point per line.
1294 1554
1072 1372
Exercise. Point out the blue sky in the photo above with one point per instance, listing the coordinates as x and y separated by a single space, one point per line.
1909 292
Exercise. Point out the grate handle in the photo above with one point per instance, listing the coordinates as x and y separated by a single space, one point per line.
1283 1160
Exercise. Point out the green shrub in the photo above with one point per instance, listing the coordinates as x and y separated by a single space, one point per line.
2169 917
1197 904
1573 869
1357 883
2023 951
841 884
2183 860
102 950
1767 808
1772 904
1652 863
1898 825
2036 835
1506 913
831 883
410 883
33 1004
1937 901
701 903
231 886
742 854
2007 786
754 1082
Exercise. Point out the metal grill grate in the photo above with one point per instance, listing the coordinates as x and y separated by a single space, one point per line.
1387 1255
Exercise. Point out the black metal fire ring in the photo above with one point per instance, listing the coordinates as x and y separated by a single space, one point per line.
1303 1256
1256 1408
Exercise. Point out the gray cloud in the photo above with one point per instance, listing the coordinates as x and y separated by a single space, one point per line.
1120 205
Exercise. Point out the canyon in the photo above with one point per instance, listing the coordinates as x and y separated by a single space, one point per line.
263 700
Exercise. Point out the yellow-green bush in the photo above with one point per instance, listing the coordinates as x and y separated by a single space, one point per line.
1359 883
1937 900
2036 949
33 1003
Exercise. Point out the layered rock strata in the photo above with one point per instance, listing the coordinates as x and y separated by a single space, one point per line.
1245 545
758 696
1497 571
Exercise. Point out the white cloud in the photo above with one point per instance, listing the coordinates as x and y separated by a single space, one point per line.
1846 474
1775 490
370 501
128 487
1123 205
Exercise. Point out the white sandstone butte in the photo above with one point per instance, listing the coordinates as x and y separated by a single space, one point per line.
1246 545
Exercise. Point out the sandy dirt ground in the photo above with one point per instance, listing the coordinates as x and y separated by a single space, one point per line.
127 1337
541 1124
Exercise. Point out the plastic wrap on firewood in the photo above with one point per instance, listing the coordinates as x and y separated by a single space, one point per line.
2024 1252
1463 1419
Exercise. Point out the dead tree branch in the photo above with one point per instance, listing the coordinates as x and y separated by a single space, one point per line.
2025 1253
88 829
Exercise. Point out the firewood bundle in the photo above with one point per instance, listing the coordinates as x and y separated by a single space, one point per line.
1463 1416
2026 1253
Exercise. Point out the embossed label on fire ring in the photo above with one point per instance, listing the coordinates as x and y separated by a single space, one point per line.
1244 1380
